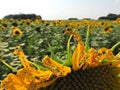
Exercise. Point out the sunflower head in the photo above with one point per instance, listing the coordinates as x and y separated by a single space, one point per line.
17 32
2 28
107 29
118 20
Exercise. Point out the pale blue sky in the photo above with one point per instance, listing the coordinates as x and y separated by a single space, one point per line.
61 9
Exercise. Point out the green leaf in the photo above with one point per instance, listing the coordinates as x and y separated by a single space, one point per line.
114 46
10 67
68 62
53 56
87 47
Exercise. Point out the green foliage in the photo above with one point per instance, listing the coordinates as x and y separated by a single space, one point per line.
99 39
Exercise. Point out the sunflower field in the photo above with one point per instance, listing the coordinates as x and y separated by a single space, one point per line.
40 54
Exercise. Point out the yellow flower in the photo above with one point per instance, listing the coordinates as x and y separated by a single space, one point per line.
3 28
118 20
77 24
107 29
17 32
86 22
102 23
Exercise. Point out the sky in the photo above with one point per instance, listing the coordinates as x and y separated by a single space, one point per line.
60 9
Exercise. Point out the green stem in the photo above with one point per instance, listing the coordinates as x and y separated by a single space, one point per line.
68 62
87 47
39 67
53 56
10 67
114 46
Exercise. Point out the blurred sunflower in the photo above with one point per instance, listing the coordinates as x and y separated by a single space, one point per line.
77 24
17 32
85 22
118 20
2 28
102 23
107 29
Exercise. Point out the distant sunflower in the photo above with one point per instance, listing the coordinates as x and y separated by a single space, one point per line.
85 22
102 23
107 29
3 28
77 24
17 32
118 20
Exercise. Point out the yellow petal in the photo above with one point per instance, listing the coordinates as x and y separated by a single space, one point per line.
57 69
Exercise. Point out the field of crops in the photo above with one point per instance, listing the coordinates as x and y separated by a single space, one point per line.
38 38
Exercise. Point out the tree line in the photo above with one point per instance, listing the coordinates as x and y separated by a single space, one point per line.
22 16
110 16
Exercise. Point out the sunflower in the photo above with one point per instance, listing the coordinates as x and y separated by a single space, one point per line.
77 24
118 20
103 23
107 29
3 28
87 69
17 32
